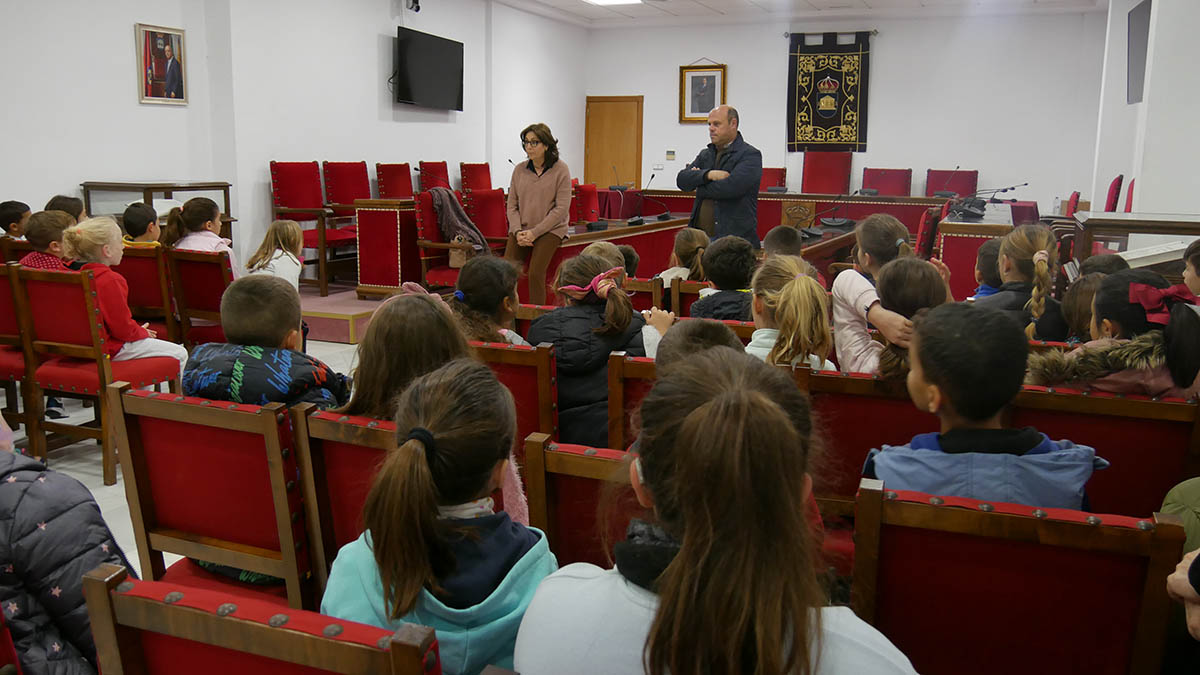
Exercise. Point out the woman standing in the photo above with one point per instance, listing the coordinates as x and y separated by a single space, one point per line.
539 201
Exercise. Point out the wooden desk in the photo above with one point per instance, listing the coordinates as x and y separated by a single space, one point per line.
1088 224
776 208
167 188
387 246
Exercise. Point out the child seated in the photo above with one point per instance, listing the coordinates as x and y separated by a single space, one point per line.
141 225
434 552
72 206
261 363
1028 257
987 268
485 300
14 216
1139 341
631 259
690 337
197 227
791 325
906 285
606 250
279 253
1077 306
44 232
966 365
686 257
728 263
1108 263
1191 267
97 243
881 238
783 240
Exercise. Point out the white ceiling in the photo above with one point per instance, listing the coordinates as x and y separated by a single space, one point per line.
683 12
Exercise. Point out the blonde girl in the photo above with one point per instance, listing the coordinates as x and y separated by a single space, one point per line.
279 252
1028 258
790 310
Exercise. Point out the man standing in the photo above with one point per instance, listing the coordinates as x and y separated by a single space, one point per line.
174 80
725 176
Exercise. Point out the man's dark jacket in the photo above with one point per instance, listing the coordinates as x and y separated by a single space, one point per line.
735 205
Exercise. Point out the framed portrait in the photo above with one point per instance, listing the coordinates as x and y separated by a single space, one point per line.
701 88
161 65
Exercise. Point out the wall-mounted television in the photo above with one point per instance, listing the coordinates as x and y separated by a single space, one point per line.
429 70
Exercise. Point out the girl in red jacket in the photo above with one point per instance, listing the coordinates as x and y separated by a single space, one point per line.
97 243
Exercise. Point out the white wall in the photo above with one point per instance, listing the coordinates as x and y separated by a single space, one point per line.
71 111
1012 96
1118 120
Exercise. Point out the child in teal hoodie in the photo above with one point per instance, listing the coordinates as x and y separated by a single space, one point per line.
435 552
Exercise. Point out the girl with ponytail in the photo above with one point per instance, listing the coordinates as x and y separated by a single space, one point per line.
1028 259
434 552
721 579
197 227
881 238
485 300
597 319
791 325
686 257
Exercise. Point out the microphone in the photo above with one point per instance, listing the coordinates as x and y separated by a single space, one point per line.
943 192
838 203
617 178
638 219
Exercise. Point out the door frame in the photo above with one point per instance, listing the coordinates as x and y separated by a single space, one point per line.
586 141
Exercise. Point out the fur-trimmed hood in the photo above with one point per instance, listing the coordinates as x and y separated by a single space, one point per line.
1137 366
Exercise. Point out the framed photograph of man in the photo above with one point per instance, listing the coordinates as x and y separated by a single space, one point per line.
701 88
161 64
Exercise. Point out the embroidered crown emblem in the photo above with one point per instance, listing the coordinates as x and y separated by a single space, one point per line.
828 86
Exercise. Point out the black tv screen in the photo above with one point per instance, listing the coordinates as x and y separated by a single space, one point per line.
1139 39
429 70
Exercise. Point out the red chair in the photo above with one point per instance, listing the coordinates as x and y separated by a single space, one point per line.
159 627
146 272
214 481
395 181
199 279
1114 193
927 233
488 209
296 194
527 313
963 586
959 182
14 249
436 271
1072 204
891 182
338 456
826 173
529 373
684 293
585 203
629 380
433 174
772 177
66 347
13 373
1129 196
645 293
475 176
344 183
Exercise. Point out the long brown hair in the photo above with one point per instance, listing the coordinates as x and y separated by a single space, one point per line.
724 450
882 236
282 235
797 305
1077 304
483 283
579 271
906 286
409 336
191 218
472 421
542 131
689 251
1020 246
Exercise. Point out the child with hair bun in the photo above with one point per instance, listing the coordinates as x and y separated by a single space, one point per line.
97 243
1028 258
434 551
791 325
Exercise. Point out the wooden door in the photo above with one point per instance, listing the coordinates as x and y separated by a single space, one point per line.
614 139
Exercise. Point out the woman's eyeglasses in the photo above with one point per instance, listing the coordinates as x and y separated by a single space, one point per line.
531 144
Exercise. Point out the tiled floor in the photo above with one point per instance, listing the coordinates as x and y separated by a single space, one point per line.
82 460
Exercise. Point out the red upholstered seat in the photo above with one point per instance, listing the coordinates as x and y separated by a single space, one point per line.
81 375
585 203
475 176
926 234
629 380
344 183
435 259
1072 204
12 363
441 276
772 177
891 182
826 173
959 181
488 209
334 237
297 185
199 279
186 572
395 181
529 373
1129 196
1114 193
150 298
433 174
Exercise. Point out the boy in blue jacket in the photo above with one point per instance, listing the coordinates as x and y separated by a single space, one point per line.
967 364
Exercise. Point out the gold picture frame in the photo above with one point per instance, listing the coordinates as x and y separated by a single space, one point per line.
161 64
701 88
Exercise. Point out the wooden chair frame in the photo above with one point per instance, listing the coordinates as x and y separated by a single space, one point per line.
681 287
621 368
16 394
186 313
1161 545
118 619
425 245
153 540
165 287
101 427
14 249
527 313
541 459
540 357
653 286
322 215
310 435
471 205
